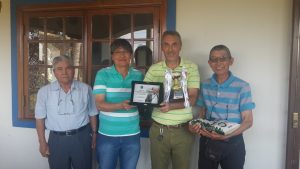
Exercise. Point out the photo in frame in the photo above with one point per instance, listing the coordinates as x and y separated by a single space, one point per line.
146 93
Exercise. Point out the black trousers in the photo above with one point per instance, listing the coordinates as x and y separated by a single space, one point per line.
71 151
234 157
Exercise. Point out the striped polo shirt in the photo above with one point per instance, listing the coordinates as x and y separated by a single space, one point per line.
156 73
116 89
225 101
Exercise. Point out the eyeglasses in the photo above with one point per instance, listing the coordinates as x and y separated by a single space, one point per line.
210 112
66 106
220 59
124 52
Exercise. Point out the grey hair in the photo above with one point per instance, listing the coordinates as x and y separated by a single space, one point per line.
220 47
172 33
61 58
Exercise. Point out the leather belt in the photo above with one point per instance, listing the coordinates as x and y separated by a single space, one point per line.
69 132
171 126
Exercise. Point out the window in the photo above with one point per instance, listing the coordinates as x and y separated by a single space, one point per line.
83 31
47 36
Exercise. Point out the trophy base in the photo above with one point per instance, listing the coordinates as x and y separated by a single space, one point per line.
176 96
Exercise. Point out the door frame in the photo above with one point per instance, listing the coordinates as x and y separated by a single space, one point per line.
293 139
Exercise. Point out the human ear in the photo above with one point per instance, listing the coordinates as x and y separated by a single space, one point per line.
231 60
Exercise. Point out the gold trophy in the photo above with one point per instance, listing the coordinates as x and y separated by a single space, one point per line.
175 86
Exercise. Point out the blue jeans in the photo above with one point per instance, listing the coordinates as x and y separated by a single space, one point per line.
111 149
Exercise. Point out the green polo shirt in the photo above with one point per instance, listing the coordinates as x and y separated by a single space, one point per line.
156 73
109 82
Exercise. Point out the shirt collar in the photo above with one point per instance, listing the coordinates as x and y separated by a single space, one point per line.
164 65
117 73
223 85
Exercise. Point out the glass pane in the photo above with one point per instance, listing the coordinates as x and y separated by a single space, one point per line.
121 26
37 77
54 28
75 50
32 101
143 26
100 28
36 54
74 28
36 29
143 53
79 74
101 53
50 75
94 72
53 50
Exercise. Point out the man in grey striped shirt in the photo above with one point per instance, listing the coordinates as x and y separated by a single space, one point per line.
223 97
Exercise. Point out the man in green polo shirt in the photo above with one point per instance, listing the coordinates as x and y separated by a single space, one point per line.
169 134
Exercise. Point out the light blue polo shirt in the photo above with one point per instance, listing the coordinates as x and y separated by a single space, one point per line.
227 100
109 82
65 111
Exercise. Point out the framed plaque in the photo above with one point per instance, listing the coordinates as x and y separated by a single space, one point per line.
146 93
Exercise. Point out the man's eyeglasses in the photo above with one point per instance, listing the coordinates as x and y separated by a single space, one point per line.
67 106
220 59
123 52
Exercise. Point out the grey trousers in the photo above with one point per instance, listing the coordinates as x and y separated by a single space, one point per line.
73 151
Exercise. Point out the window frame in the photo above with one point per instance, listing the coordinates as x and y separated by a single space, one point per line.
17 36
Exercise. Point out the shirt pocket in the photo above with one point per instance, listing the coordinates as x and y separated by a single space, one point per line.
81 103
52 105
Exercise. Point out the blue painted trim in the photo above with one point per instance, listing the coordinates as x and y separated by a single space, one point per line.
171 25
171 15
14 75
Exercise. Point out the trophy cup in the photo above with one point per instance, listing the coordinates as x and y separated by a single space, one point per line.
175 87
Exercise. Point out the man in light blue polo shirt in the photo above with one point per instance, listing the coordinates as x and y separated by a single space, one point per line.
223 97
67 108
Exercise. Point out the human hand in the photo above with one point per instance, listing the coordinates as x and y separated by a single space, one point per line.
194 128
94 140
164 107
204 132
44 149
125 105
215 136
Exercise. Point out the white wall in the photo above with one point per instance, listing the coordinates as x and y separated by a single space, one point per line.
258 33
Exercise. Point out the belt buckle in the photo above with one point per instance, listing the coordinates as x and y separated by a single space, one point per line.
177 126
69 133
173 126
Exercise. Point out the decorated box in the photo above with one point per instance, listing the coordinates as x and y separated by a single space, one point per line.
219 126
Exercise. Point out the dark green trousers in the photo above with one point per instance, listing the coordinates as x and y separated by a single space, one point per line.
175 146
